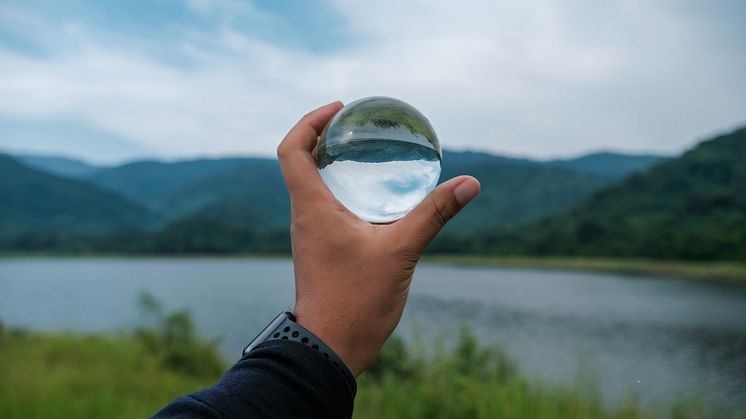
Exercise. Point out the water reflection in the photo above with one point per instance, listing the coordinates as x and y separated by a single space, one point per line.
660 338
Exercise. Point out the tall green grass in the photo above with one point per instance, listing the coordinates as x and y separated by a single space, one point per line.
134 375
473 381
100 376
62 376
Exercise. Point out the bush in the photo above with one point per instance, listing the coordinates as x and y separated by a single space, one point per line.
61 376
173 339
469 380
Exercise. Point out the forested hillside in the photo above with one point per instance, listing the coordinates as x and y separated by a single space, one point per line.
241 204
39 208
691 207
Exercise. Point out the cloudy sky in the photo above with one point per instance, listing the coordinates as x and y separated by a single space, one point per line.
112 80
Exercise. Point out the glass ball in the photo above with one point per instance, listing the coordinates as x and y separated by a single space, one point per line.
380 157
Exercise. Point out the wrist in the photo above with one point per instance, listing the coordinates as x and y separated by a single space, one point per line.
286 327
335 336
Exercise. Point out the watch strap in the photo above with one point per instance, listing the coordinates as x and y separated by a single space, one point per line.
284 327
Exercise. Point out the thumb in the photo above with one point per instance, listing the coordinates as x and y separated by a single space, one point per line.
428 218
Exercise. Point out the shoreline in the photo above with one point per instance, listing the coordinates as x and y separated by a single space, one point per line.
720 271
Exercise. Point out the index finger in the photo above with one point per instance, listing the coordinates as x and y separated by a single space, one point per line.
294 152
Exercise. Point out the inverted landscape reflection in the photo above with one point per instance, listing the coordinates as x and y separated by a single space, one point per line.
380 157
381 191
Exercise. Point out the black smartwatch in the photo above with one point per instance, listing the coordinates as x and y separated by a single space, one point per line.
284 327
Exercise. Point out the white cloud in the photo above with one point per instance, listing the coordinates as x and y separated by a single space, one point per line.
545 78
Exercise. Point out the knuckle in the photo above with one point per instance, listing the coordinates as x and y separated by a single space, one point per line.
299 227
283 151
440 214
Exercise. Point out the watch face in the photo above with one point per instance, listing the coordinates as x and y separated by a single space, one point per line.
267 332
284 327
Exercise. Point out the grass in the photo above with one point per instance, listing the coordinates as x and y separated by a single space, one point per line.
125 376
102 376
64 376
473 381
718 270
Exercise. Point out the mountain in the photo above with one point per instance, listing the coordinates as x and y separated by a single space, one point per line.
467 158
690 207
608 165
62 166
250 191
246 197
517 190
252 194
244 191
514 192
41 206
151 182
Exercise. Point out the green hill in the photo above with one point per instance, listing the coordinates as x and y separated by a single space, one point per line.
608 165
253 193
37 206
61 166
516 192
250 194
247 196
152 182
691 207
244 191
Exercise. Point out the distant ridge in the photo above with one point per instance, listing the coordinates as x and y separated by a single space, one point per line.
691 207
245 201
609 164
37 206
56 165
152 182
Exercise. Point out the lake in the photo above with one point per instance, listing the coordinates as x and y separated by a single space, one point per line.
659 338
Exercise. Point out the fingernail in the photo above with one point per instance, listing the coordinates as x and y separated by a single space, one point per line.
466 191
332 103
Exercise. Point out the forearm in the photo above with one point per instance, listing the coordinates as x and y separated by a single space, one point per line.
276 379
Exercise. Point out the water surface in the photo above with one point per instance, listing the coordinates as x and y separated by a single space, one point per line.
662 338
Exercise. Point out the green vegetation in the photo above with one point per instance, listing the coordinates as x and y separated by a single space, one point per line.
383 113
243 206
172 340
610 165
97 376
193 236
375 151
718 270
472 381
124 376
692 207
514 193
688 208
63 376
34 202
251 194
152 183
62 166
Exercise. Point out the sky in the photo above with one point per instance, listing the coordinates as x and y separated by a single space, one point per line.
110 80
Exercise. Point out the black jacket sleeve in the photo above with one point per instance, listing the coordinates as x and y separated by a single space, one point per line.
277 379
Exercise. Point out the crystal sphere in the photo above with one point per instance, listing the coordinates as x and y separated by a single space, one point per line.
380 157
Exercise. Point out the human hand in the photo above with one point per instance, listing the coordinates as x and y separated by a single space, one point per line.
352 277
